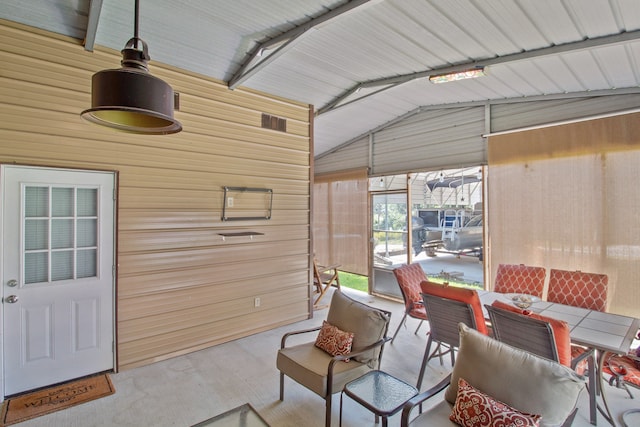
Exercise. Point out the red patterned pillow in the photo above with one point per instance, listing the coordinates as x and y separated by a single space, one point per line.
333 340
475 409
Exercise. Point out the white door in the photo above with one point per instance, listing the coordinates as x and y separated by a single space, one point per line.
57 275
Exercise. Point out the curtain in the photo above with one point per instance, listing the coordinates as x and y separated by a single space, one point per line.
340 228
566 197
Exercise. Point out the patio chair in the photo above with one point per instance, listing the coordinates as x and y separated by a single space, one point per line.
541 335
544 336
520 279
446 307
528 384
409 277
323 278
320 366
624 371
579 289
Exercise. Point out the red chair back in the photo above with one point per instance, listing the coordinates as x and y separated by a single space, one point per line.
409 278
520 279
579 289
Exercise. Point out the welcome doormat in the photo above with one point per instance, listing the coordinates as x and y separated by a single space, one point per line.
56 398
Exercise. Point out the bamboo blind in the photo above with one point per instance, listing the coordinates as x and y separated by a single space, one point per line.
566 197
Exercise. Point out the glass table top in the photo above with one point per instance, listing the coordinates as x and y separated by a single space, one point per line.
242 416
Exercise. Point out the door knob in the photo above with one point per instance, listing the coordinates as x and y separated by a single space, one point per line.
12 283
11 299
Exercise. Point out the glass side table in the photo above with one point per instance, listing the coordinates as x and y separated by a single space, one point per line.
242 416
379 392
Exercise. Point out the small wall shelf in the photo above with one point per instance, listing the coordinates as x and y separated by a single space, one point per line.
241 233
249 234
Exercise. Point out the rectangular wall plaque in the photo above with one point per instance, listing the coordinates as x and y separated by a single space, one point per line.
246 203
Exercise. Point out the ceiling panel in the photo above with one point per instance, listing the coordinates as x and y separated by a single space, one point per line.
377 40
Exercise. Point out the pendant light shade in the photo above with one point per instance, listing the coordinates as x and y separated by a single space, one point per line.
130 99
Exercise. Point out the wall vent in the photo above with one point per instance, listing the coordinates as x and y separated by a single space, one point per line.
273 122
176 101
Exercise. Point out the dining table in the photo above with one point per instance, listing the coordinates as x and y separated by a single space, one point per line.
603 332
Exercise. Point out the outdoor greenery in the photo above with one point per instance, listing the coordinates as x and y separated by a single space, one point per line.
361 283
354 281
391 216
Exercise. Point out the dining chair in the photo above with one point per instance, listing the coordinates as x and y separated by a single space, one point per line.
542 335
446 307
353 332
578 289
520 279
409 277
545 337
623 371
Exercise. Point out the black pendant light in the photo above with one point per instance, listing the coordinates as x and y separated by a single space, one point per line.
130 99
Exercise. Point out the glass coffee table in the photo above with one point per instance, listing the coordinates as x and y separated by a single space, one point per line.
242 416
379 392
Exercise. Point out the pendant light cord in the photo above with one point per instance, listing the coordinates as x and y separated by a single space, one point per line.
135 21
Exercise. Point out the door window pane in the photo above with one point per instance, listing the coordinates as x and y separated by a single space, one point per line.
62 202
87 202
62 233
87 263
62 265
36 234
87 233
36 202
36 267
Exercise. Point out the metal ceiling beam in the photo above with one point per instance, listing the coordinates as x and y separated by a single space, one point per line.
552 50
287 39
95 7
488 103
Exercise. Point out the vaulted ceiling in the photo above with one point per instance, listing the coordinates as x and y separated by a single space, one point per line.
366 63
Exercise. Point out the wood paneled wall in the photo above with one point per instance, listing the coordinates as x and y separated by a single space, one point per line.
181 286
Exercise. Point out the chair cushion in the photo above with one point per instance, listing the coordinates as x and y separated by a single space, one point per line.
435 416
561 330
521 380
368 324
622 365
473 408
467 296
333 340
308 365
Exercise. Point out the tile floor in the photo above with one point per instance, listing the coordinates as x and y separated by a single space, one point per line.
186 390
